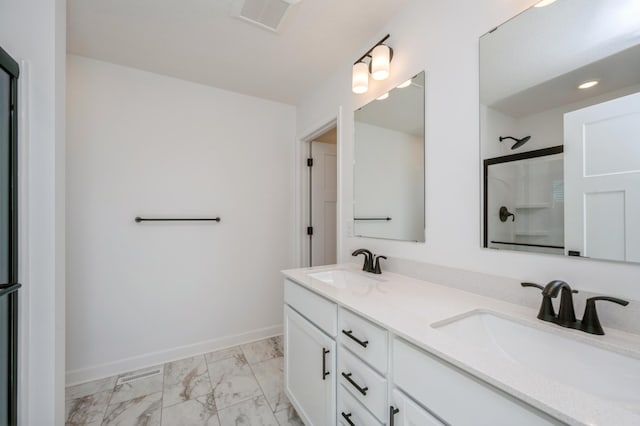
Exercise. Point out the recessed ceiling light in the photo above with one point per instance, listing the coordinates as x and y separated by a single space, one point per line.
405 84
544 3
383 97
588 84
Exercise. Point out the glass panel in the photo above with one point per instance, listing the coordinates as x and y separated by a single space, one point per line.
4 360
4 177
4 245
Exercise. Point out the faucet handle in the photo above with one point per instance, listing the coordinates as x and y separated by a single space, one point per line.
532 285
546 312
376 268
590 321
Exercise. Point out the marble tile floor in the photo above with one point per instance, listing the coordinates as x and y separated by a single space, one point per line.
242 385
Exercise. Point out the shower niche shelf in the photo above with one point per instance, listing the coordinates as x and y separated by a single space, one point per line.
525 206
540 233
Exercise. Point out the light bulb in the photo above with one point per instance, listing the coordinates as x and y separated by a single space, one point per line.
383 97
405 84
544 3
588 84
380 58
360 78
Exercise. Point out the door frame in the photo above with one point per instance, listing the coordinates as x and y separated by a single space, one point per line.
303 195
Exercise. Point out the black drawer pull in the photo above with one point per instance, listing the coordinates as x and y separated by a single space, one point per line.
362 390
325 373
392 414
346 417
358 341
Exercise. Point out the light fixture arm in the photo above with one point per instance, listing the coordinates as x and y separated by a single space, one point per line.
368 54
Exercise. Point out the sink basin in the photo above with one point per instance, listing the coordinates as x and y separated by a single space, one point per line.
340 278
589 368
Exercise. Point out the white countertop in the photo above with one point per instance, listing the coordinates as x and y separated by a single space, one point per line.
407 307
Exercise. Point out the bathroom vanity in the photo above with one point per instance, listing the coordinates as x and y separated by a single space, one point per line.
364 349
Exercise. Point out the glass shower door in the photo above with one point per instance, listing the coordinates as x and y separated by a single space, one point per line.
8 242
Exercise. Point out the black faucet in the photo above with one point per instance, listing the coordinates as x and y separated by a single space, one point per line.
376 268
566 316
566 313
368 259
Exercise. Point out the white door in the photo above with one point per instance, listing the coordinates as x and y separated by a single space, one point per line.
405 412
310 381
324 186
602 180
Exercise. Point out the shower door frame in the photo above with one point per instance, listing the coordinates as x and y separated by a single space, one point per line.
559 149
10 289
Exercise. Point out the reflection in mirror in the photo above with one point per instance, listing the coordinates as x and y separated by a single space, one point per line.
389 165
566 75
527 187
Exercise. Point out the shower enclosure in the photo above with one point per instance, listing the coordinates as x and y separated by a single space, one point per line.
8 240
524 201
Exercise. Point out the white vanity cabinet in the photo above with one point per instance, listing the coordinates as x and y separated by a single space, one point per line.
310 355
455 396
372 377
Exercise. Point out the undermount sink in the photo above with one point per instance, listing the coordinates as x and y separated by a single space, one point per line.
341 278
591 369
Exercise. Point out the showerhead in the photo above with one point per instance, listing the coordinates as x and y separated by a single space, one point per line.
519 142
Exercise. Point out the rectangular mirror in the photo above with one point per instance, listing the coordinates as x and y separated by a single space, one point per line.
389 165
560 130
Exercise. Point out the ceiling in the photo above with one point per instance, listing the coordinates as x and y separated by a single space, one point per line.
536 60
200 41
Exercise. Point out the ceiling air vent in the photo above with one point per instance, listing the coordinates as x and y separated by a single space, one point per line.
267 14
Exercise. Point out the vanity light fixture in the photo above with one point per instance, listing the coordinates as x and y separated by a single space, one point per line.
360 78
380 56
588 84
380 59
544 3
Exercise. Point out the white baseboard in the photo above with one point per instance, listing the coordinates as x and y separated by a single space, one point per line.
83 375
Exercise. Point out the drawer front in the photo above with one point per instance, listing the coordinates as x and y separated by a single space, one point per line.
455 396
351 409
316 309
363 338
363 382
408 413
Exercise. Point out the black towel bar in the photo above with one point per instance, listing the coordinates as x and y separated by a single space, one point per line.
193 219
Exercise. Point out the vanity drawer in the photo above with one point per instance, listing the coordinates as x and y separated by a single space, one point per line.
364 339
349 407
316 309
363 382
455 396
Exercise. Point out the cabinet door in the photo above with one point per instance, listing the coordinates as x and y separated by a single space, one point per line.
310 378
408 413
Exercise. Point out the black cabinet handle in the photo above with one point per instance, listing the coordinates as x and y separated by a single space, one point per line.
392 414
346 417
349 334
325 373
362 390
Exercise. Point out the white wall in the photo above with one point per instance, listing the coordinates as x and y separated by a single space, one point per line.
34 34
545 128
441 37
141 144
